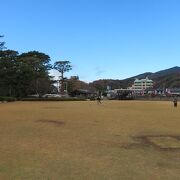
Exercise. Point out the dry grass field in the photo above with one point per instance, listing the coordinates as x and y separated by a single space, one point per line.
117 140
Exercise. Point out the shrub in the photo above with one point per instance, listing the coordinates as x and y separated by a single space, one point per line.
8 99
53 99
92 98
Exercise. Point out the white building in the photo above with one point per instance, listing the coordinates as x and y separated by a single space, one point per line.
142 84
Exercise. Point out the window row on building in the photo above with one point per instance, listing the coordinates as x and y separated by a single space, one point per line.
142 84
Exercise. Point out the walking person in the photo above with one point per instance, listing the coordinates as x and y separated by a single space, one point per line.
175 100
99 100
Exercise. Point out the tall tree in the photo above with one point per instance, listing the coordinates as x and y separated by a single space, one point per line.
2 44
24 74
8 69
62 67
75 84
36 64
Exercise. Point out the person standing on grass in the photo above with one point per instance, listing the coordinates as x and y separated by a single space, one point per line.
99 100
175 100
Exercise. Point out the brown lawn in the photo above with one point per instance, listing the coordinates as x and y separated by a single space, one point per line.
123 140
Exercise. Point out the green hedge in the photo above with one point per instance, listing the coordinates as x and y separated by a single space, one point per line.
11 99
53 99
7 99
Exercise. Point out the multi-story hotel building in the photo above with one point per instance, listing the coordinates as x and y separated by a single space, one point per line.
142 84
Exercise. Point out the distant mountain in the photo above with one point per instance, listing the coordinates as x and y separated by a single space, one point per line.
168 78
159 74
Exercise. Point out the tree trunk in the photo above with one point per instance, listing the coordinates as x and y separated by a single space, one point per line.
62 83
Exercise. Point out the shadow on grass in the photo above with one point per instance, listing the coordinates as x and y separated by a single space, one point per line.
55 122
161 142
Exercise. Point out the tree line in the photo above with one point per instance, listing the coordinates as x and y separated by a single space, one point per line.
28 73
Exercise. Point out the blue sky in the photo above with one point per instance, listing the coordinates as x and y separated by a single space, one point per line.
102 38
